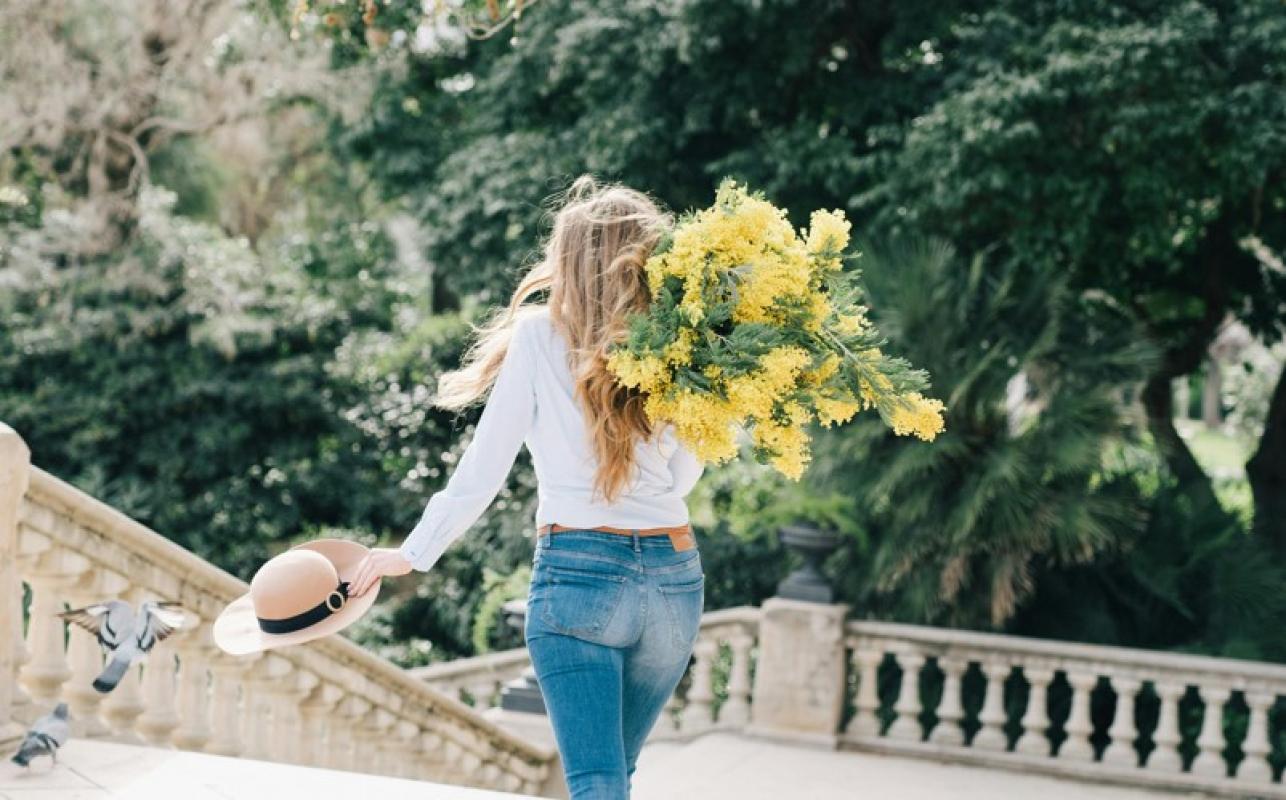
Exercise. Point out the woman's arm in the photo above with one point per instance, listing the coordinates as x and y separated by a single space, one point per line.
482 470
508 415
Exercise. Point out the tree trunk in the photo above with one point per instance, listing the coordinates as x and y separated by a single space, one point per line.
1267 473
1212 395
1158 401
1185 350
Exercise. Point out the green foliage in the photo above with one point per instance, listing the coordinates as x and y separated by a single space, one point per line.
185 382
1108 142
1192 580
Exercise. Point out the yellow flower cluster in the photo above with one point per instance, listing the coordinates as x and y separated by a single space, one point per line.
740 262
920 416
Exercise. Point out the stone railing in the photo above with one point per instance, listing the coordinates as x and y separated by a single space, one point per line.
804 672
328 703
477 680
715 693
1131 716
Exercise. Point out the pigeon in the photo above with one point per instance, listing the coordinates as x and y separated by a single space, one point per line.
47 734
125 635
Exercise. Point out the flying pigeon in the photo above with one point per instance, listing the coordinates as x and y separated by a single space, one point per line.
47 734
125 635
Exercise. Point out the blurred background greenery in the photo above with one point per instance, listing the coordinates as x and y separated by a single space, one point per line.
240 240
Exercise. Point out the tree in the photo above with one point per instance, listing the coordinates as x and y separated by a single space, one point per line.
667 97
1138 149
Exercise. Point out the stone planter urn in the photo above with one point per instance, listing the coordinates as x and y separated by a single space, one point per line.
521 693
814 544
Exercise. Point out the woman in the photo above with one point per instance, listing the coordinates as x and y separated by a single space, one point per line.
617 587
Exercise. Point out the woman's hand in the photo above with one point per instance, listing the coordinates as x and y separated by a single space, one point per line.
381 562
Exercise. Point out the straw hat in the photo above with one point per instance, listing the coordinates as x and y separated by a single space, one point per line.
295 597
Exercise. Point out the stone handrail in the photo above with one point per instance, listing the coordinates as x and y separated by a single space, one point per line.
327 703
1098 678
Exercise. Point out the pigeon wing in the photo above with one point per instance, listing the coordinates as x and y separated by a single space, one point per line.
96 619
158 623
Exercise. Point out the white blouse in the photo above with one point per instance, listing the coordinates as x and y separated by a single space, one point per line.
533 402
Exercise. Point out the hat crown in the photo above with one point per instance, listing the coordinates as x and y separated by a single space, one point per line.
292 583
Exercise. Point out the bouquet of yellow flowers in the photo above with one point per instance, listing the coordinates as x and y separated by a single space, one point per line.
752 325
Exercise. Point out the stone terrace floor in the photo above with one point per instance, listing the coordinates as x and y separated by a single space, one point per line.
94 770
713 767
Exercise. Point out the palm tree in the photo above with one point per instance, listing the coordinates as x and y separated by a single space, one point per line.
1035 379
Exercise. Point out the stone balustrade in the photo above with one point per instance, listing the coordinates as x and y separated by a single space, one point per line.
477 681
715 694
327 703
1170 720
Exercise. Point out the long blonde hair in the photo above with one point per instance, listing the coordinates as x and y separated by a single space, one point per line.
593 268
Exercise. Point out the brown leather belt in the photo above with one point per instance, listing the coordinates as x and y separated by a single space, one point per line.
681 536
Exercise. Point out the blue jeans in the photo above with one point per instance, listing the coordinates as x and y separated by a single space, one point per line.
611 623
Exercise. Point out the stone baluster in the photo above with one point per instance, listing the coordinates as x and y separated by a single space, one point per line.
950 711
1167 735
195 649
49 577
1258 747
160 715
227 703
1120 748
286 696
85 654
319 721
1210 741
667 724
259 688
405 739
470 762
123 706
343 737
865 721
15 471
483 692
427 754
31 548
1079 727
906 725
991 736
373 749
509 782
458 762
1035 721
19 700
735 710
698 714
433 758
489 776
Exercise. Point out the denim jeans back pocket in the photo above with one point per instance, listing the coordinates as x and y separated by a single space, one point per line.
684 599
579 600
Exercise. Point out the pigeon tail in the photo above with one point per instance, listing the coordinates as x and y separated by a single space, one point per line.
111 676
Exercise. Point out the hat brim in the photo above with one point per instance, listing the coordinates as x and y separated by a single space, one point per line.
236 630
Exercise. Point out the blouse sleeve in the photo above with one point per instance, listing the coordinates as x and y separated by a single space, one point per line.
685 468
481 472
